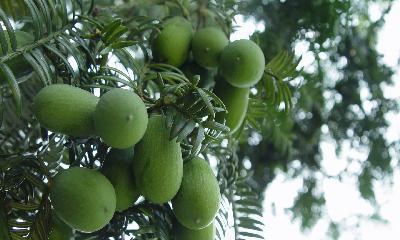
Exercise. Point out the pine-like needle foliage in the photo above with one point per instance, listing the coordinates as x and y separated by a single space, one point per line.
97 46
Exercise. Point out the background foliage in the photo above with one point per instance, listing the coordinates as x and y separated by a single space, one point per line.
342 100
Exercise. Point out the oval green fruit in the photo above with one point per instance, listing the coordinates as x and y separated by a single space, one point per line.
65 109
120 118
207 233
172 44
118 169
158 163
197 201
242 63
207 46
60 230
236 101
83 198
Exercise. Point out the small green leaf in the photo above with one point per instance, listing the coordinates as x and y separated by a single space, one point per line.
4 233
25 207
10 30
13 85
41 225
186 130
1 109
37 67
177 125
63 59
199 139
123 44
216 126
3 42
112 79
207 101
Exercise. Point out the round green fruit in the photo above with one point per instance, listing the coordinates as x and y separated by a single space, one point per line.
60 230
83 198
236 101
207 233
207 46
158 163
242 63
65 109
120 118
173 42
18 65
118 169
197 201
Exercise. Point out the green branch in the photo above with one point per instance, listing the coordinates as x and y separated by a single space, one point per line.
32 46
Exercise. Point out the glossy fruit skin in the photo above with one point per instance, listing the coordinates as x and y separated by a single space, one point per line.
207 46
118 169
242 63
83 198
18 65
236 101
120 118
158 163
197 201
65 109
60 230
172 45
207 233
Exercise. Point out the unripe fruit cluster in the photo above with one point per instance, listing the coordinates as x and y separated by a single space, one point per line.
119 117
142 161
240 63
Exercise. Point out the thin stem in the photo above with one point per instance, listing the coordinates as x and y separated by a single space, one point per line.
32 46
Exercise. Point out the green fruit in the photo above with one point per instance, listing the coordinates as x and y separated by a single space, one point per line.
118 169
197 201
65 109
120 118
207 46
60 230
158 163
172 44
83 198
242 63
18 65
236 101
207 233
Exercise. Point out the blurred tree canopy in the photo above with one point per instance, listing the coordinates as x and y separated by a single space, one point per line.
340 98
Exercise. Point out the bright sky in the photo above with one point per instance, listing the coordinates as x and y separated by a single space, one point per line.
343 198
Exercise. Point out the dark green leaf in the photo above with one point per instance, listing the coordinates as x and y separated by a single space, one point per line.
13 85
